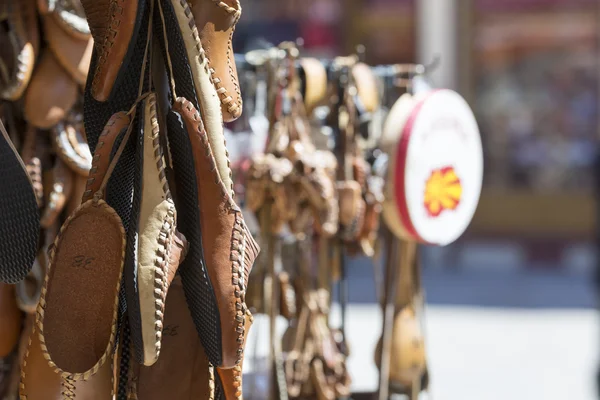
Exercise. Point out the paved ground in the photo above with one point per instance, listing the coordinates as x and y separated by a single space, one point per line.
492 335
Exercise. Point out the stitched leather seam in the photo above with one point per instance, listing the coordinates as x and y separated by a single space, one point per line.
233 107
158 153
68 385
23 368
161 266
166 234
205 62
229 9
42 303
211 382
108 40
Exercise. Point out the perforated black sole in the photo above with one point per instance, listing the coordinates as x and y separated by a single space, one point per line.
20 219
198 290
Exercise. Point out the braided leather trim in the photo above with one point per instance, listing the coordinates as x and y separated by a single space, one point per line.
229 9
23 367
234 108
161 270
211 382
205 63
68 388
166 234
41 309
158 152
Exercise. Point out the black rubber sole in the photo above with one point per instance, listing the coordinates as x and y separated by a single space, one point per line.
198 290
20 222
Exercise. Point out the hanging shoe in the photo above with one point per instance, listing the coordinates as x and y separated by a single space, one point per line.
120 32
182 371
222 251
154 236
228 249
20 44
77 314
216 21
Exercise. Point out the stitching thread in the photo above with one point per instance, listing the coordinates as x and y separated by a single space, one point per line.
205 63
42 303
109 39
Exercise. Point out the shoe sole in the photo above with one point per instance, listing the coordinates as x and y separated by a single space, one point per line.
20 226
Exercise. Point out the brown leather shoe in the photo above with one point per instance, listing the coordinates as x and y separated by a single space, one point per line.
216 20
20 44
182 371
39 381
195 83
51 93
229 249
11 318
112 24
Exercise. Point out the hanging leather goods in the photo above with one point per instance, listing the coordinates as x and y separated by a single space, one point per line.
400 353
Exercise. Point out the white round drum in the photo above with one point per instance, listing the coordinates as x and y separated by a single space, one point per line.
435 168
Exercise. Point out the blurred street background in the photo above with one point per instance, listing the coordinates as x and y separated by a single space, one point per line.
511 306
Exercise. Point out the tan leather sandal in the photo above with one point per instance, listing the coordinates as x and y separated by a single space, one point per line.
215 21
77 326
160 247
